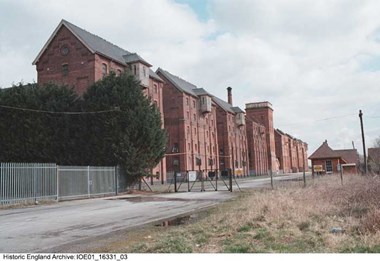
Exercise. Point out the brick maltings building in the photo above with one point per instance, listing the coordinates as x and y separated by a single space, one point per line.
205 132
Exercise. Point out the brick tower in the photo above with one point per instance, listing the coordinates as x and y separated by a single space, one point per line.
263 113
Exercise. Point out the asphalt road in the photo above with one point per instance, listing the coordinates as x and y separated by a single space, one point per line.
47 227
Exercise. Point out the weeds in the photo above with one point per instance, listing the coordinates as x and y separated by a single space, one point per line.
289 219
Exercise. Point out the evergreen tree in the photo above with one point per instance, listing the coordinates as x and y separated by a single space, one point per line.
132 135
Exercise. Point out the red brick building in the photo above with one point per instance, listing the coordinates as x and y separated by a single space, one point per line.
263 112
327 160
232 137
291 153
205 132
283 149
76 58
190 120
257 147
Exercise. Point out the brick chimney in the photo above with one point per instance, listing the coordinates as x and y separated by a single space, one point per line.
229 94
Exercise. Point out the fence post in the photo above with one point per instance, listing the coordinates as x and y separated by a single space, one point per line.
116 180
57 166
88 182
230 177
271 178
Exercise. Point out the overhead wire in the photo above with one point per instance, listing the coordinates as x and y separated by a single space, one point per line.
59 112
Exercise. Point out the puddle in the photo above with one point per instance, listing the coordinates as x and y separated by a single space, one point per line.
152 199
178 221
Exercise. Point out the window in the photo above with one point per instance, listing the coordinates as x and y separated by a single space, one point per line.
65 69
104 69
134 69
329 166
195 117
175 147
187 115
144 71
155 88
193 104
156 104
118 72
187 101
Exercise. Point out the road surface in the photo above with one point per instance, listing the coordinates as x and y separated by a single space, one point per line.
47 227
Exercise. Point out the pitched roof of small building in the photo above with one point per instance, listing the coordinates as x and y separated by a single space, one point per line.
350 156
325 152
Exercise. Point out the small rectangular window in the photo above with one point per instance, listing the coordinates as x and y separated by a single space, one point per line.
65 69
329 166
104 69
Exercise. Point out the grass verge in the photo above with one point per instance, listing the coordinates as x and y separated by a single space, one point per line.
324 217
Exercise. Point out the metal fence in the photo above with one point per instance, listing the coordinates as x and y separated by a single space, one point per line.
20 182
81 182
30 182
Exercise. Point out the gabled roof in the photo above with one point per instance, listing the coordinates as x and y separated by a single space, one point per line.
153 75
224 105
350 156
96 44
93 42
189 88
323 152
179 83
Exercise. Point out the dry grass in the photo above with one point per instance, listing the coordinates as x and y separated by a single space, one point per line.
289 219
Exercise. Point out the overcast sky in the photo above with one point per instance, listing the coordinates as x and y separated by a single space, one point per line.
317 62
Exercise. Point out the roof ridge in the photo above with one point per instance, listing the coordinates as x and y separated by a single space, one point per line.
71 24
196 87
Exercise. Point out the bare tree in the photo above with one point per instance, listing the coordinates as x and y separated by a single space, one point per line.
374 157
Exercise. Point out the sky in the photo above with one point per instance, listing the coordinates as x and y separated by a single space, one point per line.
317 62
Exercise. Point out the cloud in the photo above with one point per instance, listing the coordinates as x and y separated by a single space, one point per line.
312 59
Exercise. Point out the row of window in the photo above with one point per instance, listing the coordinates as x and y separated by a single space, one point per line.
65 70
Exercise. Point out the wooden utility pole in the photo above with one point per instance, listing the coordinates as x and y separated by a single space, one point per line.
363 139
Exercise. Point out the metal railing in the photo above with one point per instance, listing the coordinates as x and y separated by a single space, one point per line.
20 182
31 182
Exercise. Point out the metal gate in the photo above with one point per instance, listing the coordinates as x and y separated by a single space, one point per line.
84 182
202 181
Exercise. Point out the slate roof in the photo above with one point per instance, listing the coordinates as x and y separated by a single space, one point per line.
201 91
224 105
153 75
179 83
134 57
193 90
325 152
237 110
97 44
